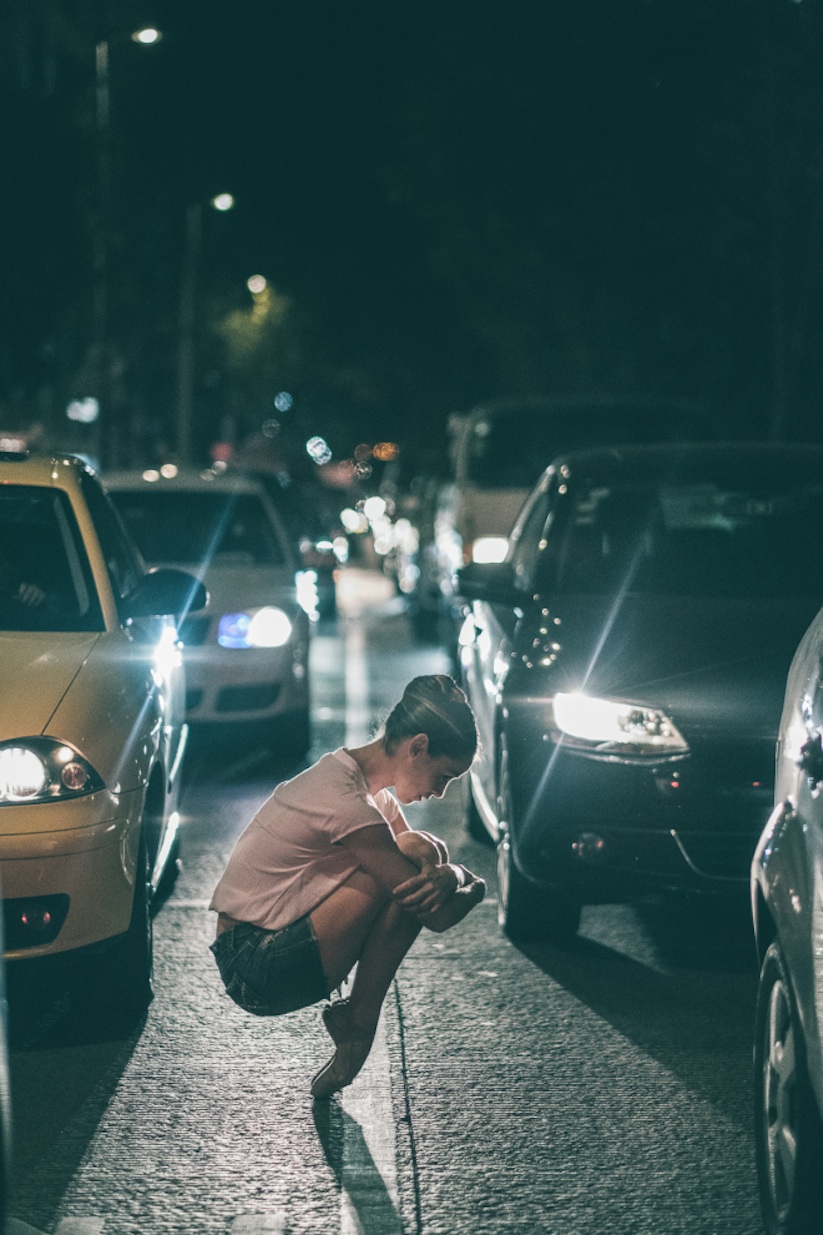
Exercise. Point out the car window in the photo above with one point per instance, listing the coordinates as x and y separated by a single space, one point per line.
526 539
121 562
191 528
46 583
701 539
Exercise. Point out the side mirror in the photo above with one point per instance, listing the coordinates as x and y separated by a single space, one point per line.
491 581
166 591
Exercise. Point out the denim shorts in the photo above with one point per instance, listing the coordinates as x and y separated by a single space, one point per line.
268 973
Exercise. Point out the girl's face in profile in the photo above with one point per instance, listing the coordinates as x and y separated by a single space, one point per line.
422 776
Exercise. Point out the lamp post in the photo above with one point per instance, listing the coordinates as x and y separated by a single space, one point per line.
188 320
101 244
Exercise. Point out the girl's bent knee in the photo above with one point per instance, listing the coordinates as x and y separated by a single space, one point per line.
421 848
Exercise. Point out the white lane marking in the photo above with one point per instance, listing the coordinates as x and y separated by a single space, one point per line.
80 1226
358 716
369 1197
259 1224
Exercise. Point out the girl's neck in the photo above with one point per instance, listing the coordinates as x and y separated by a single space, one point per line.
374 763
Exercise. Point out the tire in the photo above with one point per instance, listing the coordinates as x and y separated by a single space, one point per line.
527 912
171 872
119 986
475 826
788 1132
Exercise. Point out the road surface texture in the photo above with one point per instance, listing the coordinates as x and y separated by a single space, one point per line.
599 1089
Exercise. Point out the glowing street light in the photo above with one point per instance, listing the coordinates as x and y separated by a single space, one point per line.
147 36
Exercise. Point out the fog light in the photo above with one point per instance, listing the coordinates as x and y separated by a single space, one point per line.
36 918
589 847
31 922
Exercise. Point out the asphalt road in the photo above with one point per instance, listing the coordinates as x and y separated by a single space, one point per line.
600 1089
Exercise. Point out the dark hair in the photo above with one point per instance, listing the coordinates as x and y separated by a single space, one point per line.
434 705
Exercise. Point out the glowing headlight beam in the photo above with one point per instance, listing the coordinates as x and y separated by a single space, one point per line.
268 627
605 723
22 774
622 592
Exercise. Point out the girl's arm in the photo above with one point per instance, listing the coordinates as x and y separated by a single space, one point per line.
439 893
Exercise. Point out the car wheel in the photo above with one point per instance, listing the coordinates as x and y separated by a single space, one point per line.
120 986
171 871
526 912
788 1133
475 826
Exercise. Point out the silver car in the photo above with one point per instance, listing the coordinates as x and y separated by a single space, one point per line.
787 906
247 653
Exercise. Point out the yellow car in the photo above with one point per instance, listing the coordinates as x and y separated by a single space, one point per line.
92 730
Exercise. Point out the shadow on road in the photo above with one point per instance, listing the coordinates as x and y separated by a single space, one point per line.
688 1003
355 1170
56 1050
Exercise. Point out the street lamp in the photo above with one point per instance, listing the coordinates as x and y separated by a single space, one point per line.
102 231
222 202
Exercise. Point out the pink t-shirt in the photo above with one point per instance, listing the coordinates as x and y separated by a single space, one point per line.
286 861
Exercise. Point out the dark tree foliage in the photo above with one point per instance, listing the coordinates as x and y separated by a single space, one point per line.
457 200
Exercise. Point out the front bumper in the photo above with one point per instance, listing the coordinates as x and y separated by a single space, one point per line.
254 684
74 883
617 827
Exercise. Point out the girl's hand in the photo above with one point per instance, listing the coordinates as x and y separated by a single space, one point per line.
427 892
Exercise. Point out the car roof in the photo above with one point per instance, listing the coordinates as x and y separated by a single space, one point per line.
58 471
693 461
191 480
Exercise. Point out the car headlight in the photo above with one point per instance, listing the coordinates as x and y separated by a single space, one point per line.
266 627
42 770
489 549
605 726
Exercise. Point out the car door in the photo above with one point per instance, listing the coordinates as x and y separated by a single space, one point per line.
799 842
489 640
165 673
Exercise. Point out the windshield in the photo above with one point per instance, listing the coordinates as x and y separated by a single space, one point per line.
46 582
191 528
704 539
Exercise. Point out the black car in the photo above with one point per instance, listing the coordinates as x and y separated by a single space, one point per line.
627 663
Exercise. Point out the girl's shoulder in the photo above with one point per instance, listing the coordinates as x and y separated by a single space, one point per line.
336 770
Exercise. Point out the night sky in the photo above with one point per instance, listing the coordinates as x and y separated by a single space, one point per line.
456 201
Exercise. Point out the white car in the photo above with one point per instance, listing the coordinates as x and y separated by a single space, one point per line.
787 907
92 731
247 653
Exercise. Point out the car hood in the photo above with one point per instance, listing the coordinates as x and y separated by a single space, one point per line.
38 670
239 586
708 663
